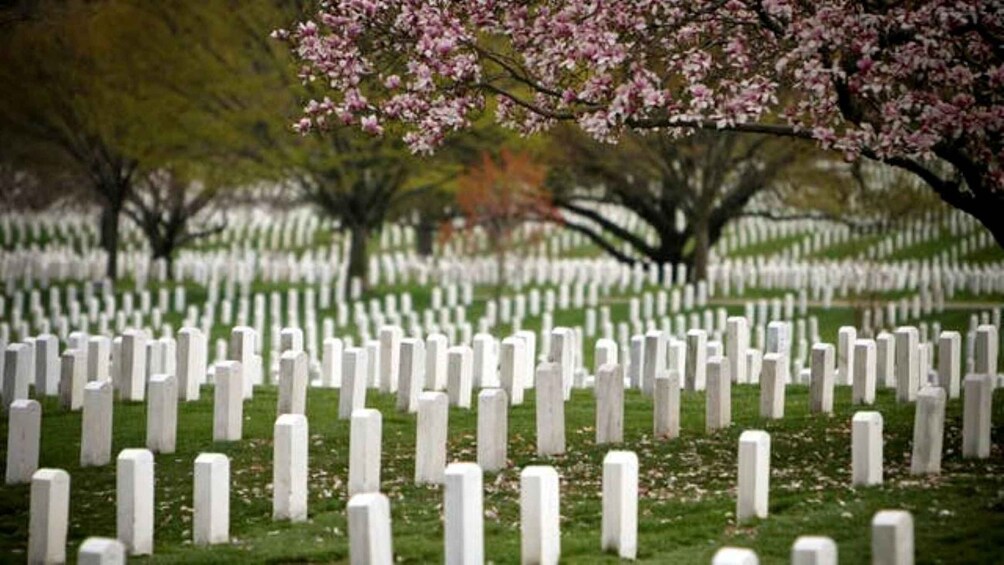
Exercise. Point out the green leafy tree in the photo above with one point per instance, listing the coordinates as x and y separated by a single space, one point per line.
865 195
171 212
121 90
353 179
59 97
706 178
498 196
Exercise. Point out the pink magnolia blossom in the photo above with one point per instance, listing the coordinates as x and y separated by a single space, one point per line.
370 124
903 82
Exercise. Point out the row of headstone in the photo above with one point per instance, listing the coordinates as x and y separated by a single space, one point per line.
290 444
165 355
419 372
760 315
892 542
757 312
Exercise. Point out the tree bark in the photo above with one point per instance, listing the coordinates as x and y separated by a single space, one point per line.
500 257
699 259
110 239
987 207
164 250
992 217
670 252
358 256
425 238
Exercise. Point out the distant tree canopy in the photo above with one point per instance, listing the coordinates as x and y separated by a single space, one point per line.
60 95
684 190
113 91
863 194
362 181
170 210
131 96
354 179
500 194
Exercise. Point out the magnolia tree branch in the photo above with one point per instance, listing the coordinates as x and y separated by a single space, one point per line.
895 82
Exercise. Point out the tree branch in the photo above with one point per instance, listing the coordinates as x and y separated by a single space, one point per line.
772 129
599 241
614 229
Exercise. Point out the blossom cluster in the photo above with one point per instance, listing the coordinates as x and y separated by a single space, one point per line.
909 79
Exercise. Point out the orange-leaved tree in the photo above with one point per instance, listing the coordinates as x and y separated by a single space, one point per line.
501 195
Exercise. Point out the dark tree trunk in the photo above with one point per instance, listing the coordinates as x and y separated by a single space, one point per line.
699 259
500 260
164 250
110 239
993 220
666 264
988 210
669 253
977 197
425 238
358 257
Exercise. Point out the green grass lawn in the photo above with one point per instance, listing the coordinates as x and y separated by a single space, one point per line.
991 254
830 320
687 485
927 248
848 249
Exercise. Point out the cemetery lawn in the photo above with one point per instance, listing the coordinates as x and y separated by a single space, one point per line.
687 485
